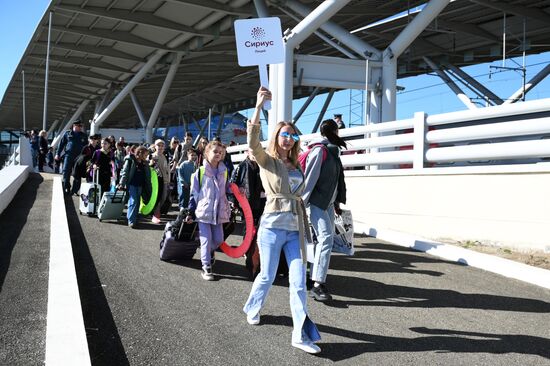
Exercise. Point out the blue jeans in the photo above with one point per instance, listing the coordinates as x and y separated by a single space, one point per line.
134 193
271 242
323 225
183 195
211 237
67 170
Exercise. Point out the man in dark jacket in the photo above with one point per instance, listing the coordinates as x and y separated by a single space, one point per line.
70 146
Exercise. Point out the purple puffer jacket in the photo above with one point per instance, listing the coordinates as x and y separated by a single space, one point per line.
209 200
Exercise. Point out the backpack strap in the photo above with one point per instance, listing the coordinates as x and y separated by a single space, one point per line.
202 169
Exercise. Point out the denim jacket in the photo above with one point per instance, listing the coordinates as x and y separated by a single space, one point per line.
208 198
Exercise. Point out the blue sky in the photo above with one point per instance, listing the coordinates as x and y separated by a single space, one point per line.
18 20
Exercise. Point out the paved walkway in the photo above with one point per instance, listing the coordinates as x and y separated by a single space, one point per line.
392 305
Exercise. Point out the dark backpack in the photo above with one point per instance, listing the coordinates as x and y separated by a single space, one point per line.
302 158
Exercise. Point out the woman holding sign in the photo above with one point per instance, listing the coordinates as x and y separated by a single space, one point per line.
282 226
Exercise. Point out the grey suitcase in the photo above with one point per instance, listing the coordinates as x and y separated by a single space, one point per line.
111 205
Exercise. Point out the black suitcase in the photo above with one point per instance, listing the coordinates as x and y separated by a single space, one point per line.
180 239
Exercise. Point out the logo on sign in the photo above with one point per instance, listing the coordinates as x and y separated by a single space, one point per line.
258 34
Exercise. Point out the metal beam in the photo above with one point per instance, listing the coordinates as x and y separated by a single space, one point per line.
139 110
415 27
73 80
356 44
529 85
306 104
142 18
468 28
297 35
80 72
470 80
160 100
124 92
80 61
93 50
451 84
216 6
323 111
532 13
117 36
75 116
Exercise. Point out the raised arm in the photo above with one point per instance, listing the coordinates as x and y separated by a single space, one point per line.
254 126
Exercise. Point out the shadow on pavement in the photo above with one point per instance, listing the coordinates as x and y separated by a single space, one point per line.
373 293
104 341
439 340
14 218
384 258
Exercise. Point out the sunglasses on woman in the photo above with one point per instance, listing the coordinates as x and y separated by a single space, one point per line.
287 135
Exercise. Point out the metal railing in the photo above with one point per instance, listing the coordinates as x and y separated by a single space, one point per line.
500 135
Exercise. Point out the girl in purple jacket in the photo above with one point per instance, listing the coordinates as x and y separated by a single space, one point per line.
209 204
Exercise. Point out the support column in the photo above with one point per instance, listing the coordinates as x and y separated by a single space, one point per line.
46 74
323 111
220 123
306 104
74 117
126 90
160 99
139 111
299 33
261 8
274 87
389 86
24 102
375 105
397 47
52 127
450 83
530 85
100 106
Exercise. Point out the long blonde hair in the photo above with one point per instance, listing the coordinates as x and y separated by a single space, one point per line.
273 144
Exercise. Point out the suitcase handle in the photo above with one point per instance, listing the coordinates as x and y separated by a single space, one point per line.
116 199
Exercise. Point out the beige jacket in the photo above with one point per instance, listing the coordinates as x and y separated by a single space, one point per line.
274 176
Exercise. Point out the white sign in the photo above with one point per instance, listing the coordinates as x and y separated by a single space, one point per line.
259 41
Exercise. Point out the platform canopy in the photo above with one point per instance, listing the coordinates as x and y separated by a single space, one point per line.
97 46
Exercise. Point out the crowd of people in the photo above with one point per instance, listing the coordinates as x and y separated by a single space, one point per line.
288 193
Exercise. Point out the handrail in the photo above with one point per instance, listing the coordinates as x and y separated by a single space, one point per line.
440 139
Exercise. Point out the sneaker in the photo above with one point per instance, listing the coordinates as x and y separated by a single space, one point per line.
155 220
131 225
307 346
207 274
320 293
253 320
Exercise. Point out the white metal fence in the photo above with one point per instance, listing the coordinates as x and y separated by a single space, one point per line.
517 133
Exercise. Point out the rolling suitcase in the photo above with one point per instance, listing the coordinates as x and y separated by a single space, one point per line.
89 196
111 205
179 240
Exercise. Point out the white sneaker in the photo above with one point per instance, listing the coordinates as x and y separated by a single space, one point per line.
307 346
207 274
253 320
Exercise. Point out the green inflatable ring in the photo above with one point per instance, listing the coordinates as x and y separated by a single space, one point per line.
146 209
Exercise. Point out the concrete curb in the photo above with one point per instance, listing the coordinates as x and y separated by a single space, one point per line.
11 179
505 267
66 342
